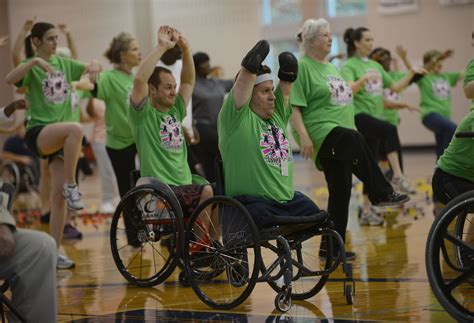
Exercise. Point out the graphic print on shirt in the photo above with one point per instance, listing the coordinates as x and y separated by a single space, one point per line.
374 85
55 88
389 95
170 133
341 94
274 145
441 89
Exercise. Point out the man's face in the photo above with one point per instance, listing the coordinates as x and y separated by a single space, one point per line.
263 100
165 95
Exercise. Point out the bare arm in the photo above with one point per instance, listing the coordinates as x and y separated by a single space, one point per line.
243 88
286 90
469 90
147 66
402 52
306 144
70 42
188 72
20 41
356 86
19 72
394 105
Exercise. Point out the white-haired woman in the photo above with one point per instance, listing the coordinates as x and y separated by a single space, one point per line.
323 122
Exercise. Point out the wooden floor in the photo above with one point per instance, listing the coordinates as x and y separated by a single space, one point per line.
391 281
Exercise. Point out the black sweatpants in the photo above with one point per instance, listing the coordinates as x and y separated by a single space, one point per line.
123 163
207 150
344 152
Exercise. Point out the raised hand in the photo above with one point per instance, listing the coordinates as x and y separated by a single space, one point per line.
167 37
64 28
419 70
401 51
28 24
93 69
44 65
183 43
3 40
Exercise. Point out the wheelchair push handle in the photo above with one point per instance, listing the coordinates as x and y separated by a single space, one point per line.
465 134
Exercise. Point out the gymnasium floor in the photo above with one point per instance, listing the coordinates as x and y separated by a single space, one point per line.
389 270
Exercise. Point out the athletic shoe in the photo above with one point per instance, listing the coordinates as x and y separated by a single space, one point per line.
71 232
73 198
44 218
107 208
64 262
392 199
401 184
371 218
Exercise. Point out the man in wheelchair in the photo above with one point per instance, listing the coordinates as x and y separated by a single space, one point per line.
253 140
156 113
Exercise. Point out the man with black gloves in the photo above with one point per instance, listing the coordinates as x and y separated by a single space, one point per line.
253 123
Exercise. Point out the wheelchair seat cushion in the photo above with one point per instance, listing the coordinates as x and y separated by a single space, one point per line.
266 213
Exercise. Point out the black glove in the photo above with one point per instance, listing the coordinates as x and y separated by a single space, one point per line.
416 77
288 67
254 58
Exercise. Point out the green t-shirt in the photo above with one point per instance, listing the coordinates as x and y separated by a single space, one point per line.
469 76
256 153
114 87
369 99
324 98
435 92
49 95
458 159
391 115
160 142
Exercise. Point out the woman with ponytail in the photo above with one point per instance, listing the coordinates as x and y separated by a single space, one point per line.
47 79
367 80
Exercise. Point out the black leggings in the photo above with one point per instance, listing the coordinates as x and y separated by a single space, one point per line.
446 186
344 152
123 163
376 131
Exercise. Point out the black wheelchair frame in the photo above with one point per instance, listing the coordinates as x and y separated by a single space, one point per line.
450 258
223 270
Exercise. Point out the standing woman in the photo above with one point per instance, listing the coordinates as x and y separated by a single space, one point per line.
208 96
323 123
367 80
47 79
114 88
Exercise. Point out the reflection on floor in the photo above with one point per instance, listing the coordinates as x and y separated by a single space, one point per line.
391 282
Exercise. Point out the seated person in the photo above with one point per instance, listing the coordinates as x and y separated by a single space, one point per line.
454 174
253 123
28 255
156 115
15 149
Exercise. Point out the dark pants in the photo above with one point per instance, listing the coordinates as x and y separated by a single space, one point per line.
446 186
207 150
344 152
123 163
262 211
377 132
443 129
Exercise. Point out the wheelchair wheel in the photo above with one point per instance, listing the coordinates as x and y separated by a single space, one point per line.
222 259
449 257
10 173
306 262
144 217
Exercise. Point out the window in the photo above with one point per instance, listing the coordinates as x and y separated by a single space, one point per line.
337 8
281 11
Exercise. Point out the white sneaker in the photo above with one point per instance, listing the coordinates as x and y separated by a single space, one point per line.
401 184
107 208
64 262
73 197
371 218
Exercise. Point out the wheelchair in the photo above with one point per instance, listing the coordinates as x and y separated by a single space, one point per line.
21 177
450 255
222 264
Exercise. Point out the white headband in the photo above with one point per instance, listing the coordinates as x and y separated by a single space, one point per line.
262 78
